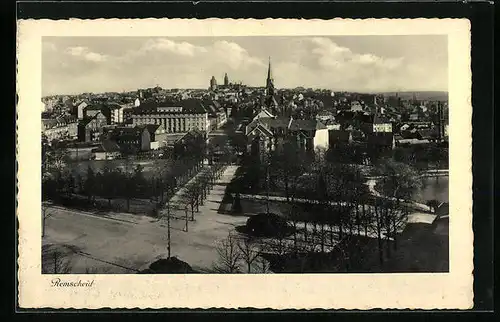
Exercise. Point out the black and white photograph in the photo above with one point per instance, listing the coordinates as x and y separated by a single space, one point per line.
219 163
245 154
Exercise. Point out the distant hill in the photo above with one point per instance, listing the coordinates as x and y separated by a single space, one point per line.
425 95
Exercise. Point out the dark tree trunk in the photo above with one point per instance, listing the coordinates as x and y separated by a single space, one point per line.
305 231
295 235
379 237
388 232
331 235
358 222
365 221
395 232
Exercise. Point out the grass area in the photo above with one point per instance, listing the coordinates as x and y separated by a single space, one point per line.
99 205
149 166
108 245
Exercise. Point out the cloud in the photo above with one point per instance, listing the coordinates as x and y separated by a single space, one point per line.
332 56
85 53
235 56
222 52
167 45
190 62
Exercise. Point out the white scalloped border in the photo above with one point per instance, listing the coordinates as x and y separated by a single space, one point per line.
353 291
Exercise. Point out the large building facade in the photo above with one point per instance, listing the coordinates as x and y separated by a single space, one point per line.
62 128
178 118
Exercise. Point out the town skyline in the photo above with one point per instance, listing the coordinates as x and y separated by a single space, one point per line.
368 64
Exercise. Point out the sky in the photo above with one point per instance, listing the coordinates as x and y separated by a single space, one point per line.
72 65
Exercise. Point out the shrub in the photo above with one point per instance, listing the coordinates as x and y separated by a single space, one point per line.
266 225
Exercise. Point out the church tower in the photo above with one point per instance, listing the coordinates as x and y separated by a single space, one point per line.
213 84
269 100
269 81
226 80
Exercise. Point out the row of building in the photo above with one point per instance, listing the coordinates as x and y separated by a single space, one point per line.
169 117
267 132
119 140
370 125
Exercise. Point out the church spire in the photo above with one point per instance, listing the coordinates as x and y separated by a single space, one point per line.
269 81
269 77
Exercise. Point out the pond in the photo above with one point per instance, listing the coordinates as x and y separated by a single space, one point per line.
433 188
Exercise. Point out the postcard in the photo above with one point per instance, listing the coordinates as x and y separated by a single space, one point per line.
225 163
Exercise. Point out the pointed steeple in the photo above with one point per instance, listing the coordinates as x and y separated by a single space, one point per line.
269 80
269 76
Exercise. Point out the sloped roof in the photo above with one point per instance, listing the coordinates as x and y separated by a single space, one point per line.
259 131
380 119
190 105
262 129
211 106
122 132
428 133
280 122
66 119
190 134
150 127
263 113
49 122
109 146
193 106
172 138
320 125
114 106
338 136
411 134
87 120
306 125
95 107
365 118
380 138
250 126
106 111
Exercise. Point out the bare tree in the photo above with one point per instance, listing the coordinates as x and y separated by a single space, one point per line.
186 212
294 217
400 180
168 215
278 244
191 197
55 262
261 261
229 255
378 225
45 215
249 251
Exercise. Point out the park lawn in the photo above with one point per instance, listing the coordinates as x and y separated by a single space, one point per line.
98 165
135 244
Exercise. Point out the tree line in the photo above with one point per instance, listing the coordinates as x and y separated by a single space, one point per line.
339 211
127 182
